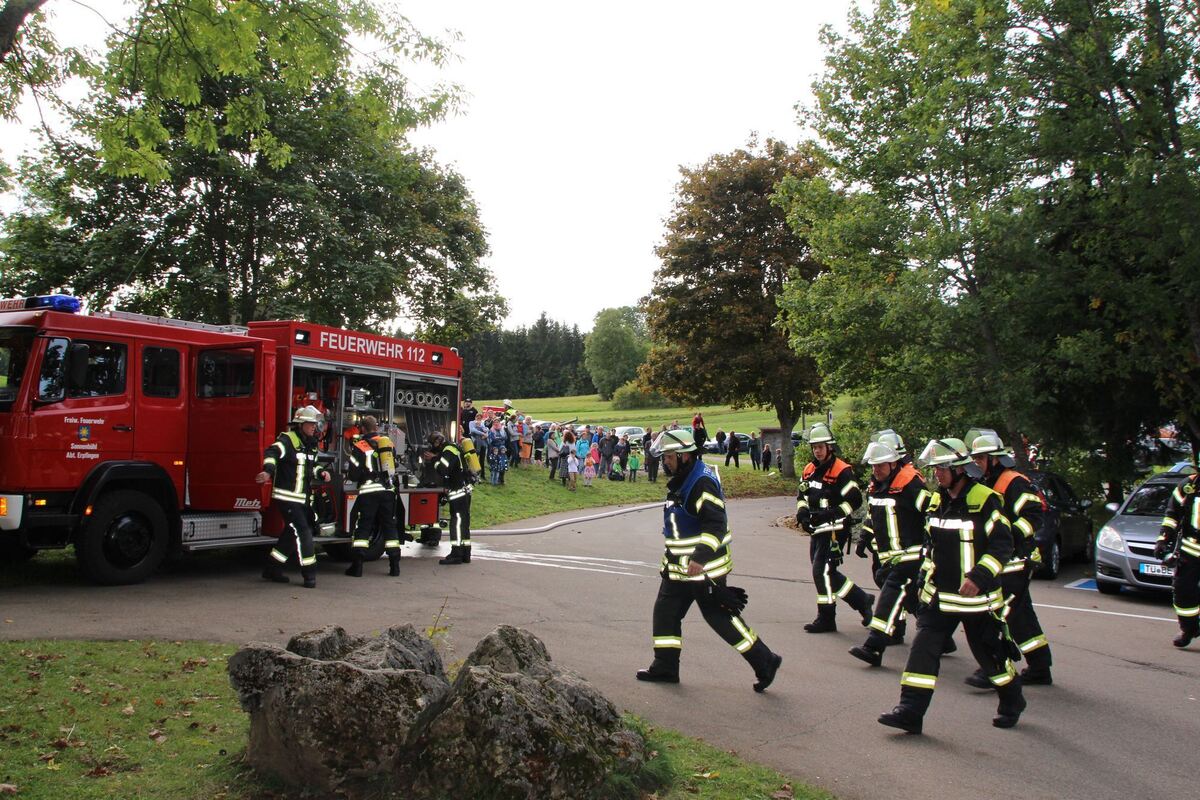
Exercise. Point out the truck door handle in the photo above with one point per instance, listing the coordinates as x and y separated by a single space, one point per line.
250 428
122 428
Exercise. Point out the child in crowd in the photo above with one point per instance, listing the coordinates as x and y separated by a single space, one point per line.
634 463
572 470
497 461
766 456
594 454
589 471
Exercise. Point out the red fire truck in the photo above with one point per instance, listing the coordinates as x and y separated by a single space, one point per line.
128 435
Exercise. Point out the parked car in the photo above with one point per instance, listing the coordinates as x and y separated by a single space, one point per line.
711 445
1067 531
635 434
1125 545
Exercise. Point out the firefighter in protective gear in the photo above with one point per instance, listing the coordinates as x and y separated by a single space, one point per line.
1025 511
878 570
1179 540
695 564
894 529
969 542
828 496
457 481
291 465
372 465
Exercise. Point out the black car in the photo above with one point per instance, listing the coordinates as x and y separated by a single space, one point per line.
711 445
1067 531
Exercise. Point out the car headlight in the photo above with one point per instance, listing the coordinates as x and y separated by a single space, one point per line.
1109 539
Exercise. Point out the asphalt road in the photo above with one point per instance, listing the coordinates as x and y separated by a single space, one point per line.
1121 720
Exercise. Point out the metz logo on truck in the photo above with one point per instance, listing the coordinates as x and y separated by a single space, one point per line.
242 502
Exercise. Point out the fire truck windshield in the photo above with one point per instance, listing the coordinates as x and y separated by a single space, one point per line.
15 344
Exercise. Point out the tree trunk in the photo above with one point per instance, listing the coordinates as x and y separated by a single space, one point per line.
12 17
787 459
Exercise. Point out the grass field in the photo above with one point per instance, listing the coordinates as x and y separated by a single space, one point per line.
591 409
160 720
527 492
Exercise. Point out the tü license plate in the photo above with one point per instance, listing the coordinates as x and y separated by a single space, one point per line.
1157 569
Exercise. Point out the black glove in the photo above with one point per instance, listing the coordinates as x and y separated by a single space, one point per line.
804 517
823 516
1162 549
730 598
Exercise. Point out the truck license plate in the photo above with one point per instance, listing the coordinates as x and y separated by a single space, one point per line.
1157 569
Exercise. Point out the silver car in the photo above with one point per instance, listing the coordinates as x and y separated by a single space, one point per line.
1125 545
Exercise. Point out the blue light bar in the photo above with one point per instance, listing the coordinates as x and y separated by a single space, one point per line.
55 302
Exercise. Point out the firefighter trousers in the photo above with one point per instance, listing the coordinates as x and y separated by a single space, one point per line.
1187 594
297 537
1022 620
376 511
671 606
830 582
460 521
897 599
985 637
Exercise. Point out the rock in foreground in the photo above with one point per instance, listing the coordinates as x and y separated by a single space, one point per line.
335 712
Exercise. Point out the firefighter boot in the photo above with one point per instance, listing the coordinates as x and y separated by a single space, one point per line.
455 557
1038 671
465 553
903 718
978 680
765 663
273 573
868 654
310 579
355 568
864 605
826 621
661 670
1184 638
394 564
1012 703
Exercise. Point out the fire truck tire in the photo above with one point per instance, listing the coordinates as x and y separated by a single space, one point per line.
124 540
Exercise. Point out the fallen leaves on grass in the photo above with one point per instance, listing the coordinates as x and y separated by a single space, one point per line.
190 664
158 736
785 793
8 788
129 710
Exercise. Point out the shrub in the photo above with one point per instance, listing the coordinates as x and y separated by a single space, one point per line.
632 396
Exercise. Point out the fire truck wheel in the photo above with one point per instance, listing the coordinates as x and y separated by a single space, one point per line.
124 540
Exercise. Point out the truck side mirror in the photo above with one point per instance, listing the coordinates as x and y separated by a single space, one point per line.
1111 507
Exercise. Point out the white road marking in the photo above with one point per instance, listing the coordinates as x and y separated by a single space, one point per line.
602 565
1109 613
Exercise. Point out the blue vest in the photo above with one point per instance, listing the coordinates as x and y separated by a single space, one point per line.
679 522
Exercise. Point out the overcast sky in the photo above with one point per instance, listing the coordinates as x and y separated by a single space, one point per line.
578 116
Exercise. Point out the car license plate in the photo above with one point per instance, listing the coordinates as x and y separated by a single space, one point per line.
1157 569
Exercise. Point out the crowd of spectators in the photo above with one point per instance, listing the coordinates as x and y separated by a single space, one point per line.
507 439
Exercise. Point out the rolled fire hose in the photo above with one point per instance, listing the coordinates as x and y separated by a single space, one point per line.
572 521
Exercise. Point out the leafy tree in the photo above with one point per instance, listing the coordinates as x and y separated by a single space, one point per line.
352 228
1005 179
171 52
615 349
925 125
727 257
543 360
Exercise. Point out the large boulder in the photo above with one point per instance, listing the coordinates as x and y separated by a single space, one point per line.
335 710
356 716
515 725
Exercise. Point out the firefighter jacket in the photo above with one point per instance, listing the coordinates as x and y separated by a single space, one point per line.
372 462
1182 519
830 493
292 464
969 537
695 526
895 521
451 469
1025 511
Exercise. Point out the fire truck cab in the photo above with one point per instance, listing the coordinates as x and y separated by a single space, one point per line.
128 436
